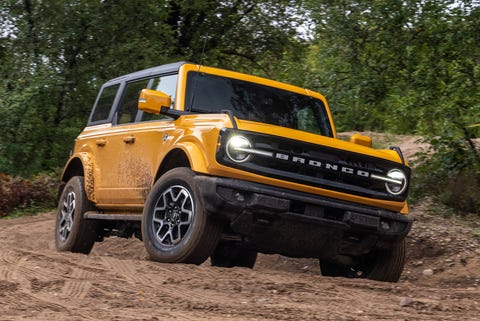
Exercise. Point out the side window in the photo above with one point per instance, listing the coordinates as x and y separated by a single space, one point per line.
104 103
166 84
128 105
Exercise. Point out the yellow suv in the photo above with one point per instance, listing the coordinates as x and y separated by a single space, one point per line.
201 162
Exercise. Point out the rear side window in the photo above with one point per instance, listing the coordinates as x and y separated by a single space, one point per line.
104 103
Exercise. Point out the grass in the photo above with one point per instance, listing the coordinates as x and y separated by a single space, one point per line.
28 211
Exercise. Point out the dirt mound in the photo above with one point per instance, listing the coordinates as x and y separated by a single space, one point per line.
410 145
445 250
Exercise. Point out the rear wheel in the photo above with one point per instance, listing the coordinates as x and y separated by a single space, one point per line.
72 232
229 254
175 227
386 266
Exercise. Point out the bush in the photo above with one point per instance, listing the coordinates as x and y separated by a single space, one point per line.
450 173
18 193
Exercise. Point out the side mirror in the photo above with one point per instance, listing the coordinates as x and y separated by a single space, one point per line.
152 101
361 140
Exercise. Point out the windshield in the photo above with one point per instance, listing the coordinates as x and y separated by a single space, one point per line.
251 101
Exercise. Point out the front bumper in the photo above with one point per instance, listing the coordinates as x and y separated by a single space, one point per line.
293 223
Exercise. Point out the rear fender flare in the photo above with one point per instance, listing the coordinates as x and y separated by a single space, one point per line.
86 169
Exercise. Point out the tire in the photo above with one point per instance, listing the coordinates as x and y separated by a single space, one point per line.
336 270
72 232
389 264
175 227
385 266
231 255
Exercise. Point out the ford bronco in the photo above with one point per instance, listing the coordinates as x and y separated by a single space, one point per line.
200 162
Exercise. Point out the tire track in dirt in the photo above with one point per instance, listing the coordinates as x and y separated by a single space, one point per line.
125 270
78 282
173 285
32 292
8 260
34 266
170 282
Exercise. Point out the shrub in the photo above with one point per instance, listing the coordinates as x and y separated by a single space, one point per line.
17 193
450 173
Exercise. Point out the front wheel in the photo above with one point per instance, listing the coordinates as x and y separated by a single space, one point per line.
175 227
386 266
72 232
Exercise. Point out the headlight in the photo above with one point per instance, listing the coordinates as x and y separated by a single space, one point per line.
237 149
397 182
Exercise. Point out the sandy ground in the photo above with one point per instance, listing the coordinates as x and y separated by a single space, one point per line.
117 282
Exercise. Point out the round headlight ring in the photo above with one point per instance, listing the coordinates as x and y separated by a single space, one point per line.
234 149
393 188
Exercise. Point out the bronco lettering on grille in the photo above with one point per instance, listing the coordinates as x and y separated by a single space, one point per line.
320 164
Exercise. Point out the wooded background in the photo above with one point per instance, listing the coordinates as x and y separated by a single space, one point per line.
399 66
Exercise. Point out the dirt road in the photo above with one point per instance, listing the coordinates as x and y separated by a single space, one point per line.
117 282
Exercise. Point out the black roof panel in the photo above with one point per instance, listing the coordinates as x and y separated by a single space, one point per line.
172 67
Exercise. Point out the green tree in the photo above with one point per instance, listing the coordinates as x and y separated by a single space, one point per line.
403 66
55 55
406 67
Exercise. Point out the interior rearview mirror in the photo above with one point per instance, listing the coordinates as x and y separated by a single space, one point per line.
152 101
361 140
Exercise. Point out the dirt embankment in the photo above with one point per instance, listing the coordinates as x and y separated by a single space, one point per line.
116 282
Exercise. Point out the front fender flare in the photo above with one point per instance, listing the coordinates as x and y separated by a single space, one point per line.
195 155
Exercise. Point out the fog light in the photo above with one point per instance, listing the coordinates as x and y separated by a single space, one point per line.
385 226
239 197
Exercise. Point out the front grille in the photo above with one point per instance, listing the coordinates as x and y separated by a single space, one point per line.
314 165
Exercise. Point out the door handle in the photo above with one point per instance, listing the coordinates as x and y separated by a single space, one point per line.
129 140
101 142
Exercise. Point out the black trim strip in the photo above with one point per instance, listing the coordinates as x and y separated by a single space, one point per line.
93 215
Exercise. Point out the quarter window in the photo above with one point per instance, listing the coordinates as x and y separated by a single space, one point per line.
104 103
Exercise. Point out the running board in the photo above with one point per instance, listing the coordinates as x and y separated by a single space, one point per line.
94 215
